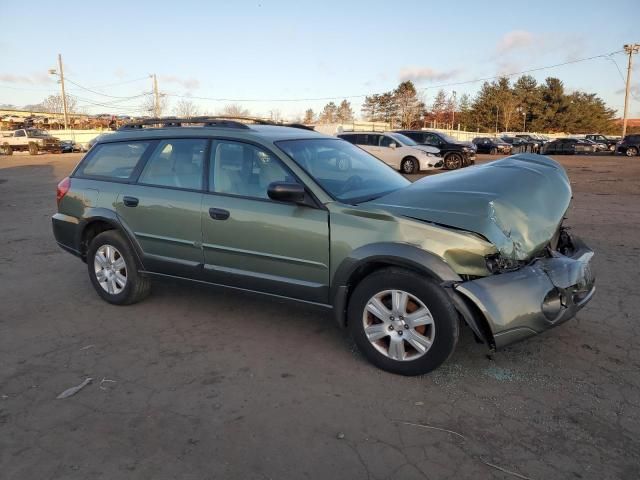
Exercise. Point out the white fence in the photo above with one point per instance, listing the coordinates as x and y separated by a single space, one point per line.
78 136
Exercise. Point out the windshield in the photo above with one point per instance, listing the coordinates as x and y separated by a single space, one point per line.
403 139
448 138
35 132
344 171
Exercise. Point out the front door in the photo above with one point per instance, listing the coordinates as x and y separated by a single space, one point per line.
163 209
255 243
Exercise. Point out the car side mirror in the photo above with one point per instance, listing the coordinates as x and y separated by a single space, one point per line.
286 192
393 145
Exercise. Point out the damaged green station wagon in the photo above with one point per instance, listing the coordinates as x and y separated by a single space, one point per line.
292 213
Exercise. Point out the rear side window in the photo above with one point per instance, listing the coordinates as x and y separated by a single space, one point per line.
349 138
176 163
113 160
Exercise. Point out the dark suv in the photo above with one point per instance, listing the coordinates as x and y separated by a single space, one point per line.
456 154
630 145
299 215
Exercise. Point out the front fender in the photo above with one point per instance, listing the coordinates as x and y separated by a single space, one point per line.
376 255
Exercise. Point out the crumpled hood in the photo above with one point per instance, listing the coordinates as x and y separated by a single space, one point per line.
517 203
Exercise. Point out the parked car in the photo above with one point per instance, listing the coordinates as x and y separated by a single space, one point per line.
568 146
66 146
296 214
518 145
396 150
535 143
491 145
456 154
32 140
597 147
608 141
629 146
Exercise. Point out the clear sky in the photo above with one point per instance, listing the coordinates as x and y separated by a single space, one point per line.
274 50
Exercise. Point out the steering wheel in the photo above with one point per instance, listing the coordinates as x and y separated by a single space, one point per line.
353 182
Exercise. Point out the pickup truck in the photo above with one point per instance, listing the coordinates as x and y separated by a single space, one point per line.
32 140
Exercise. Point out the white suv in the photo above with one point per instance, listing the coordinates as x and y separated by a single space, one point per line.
396 150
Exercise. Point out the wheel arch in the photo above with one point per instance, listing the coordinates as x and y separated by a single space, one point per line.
100 220
366 259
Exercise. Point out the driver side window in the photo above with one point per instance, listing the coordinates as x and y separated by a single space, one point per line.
243 169
387 141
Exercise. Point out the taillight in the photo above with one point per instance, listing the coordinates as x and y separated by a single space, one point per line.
63 188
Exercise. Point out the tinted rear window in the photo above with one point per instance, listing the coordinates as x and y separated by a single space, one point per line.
113 160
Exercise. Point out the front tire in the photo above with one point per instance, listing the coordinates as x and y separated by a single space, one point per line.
453 161
33 149
631 152
493 151
409 165
403 322
113 269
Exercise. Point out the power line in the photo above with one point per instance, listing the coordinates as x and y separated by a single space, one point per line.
124 82
94 91
443 85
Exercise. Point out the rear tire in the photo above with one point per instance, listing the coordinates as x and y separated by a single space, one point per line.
6 149
493 151
410 165
434 329
113 269
453 161
631 152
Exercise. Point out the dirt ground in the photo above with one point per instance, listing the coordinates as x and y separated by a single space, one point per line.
202 383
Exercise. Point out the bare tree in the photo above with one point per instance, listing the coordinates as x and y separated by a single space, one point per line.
235 110
149 105
275 115
54 104
186 109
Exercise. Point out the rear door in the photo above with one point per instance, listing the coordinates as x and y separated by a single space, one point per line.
393 156
371 143
253 242
162 209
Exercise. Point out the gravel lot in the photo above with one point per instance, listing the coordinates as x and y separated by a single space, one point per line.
202 383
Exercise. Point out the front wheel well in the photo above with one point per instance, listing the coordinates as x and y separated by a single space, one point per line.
367 269
90 231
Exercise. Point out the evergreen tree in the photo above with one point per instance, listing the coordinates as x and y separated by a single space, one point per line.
344 113
329 113
309 116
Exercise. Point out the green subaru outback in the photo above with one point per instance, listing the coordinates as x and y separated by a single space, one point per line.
289 212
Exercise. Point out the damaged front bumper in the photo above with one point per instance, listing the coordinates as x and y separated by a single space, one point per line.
530 300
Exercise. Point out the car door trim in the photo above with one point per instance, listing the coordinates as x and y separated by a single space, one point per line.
254 253
167 239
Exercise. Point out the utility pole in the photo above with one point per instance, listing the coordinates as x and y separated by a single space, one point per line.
630 49
156 96
64 96
453 111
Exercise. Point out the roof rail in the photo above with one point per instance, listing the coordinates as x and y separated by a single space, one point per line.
225 121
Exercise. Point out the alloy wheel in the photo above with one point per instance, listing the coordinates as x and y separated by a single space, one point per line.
110 269
398 325
453 162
